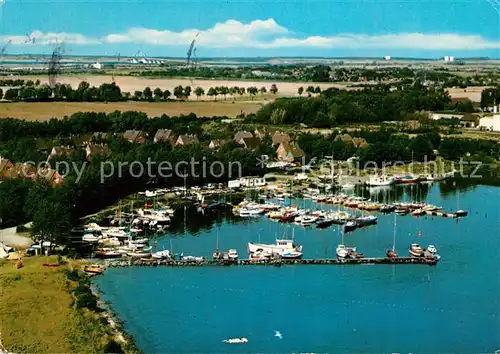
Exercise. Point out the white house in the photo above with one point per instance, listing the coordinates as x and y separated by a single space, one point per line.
97 66
248 182
438 116
490 122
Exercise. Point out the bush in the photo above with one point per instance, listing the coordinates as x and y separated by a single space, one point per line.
113 347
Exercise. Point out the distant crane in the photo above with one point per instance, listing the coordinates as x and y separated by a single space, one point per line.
55 63
30 38
190 50
3 48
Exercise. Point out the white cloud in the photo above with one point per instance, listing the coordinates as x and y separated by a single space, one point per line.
268 34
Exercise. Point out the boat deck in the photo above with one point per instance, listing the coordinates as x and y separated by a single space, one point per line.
251 262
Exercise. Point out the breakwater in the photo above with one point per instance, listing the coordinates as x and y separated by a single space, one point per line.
251 262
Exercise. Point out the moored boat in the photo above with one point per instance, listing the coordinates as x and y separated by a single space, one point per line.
415 250
280 247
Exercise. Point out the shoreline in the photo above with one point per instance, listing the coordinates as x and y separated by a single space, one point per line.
115 324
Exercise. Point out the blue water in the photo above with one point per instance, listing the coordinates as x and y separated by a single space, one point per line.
452 307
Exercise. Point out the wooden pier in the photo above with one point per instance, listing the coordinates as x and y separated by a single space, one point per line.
249 262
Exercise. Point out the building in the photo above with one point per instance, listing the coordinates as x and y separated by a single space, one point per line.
216 144
490 122
21 170
60 151
247 182
470 120
242 134
134 136
163 135
359 142
387 57
97 66
50 175
438 116
289 151
5 166
183 140
346 138
96 150
250 143
98 137
279 137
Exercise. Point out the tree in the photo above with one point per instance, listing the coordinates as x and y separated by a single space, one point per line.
263 90
213 92
51 222
274 89
300 90
148 94
223 90
252 91
317 89
12 94
179 92
166 94
1 93
199 92
158 94
187 91
310 89
137 95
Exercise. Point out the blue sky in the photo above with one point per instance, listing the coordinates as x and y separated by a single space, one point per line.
416 28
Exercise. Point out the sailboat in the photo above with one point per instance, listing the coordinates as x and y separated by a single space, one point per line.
391 253
344 252
460 212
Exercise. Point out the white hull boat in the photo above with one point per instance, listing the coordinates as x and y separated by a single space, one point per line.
280 247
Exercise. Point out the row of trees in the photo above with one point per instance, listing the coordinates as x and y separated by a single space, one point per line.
112 93
334 107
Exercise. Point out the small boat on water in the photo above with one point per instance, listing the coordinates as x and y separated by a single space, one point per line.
377 181
232 254
366 220
401 211
415 250
291 255
235 340
408 179
93 269
344 252
387 208
324 223
90 238
461 213
280 247
431 253
391 254
350 226
246 212
418 212
161 254
107 253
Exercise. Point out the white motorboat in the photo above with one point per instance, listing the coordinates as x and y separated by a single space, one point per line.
280 247
141 241
291 255
110 241
366 220
307 220
232 254
431 252
235 340
90 238
139 254
115 232
157 216
415 250
250 212
161 254
377 181
345 252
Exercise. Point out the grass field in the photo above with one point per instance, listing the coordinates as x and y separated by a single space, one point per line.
48 110
37 312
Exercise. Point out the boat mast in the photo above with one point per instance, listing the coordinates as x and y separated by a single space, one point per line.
394 234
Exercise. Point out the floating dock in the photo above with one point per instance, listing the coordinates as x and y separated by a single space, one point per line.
251 262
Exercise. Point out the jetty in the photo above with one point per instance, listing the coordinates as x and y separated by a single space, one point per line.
261 262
